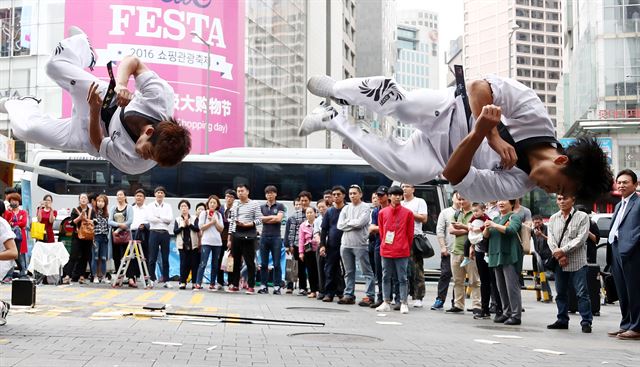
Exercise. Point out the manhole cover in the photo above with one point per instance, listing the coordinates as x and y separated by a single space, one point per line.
508 328
317 309
337 337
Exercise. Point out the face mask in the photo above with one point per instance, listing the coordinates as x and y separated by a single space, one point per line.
13 205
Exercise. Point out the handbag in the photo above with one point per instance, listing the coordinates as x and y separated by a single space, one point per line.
525 238
121 237
225 260
86 230
291 269
610 292
422 246
230 262
37 231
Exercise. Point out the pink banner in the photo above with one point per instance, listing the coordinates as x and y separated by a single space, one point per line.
160 33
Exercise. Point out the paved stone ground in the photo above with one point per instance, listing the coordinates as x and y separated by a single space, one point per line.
61 332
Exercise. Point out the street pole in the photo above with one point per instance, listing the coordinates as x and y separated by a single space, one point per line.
514 28
206 129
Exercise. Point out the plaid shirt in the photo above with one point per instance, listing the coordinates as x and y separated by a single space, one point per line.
574 242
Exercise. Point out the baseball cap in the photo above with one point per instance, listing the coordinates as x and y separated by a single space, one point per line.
382 190
395 190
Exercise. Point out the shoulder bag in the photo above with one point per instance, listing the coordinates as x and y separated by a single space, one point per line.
86 229
422 246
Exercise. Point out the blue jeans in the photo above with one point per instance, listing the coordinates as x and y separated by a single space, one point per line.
159 241
395 268
349 256
100 249
214 251
273 245
579 280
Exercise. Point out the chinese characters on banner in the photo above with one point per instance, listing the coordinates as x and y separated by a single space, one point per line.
158 32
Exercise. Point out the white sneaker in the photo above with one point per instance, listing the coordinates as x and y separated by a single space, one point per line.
417 304
4 310
4 100
74 31
96 280
404 308
317 119
167 285
321 86
384 307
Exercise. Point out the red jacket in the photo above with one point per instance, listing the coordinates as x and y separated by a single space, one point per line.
21 220
400 221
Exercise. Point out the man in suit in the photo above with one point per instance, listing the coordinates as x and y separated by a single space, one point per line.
625 244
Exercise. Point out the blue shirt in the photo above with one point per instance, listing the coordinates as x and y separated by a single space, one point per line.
375 237
271 229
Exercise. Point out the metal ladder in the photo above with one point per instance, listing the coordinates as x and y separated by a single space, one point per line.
133 251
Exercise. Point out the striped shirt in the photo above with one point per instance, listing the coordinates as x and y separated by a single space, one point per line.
574 242
245 212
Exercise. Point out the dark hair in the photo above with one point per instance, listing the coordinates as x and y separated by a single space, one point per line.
104 213
395 190
47 196
306 194
140 191
270 188
240 185
2 208
326 192
589 169
322 201
634 177
537 217
171 143
183 201
513 203
92 196
201 205
231 192
9 190
339 188
480 205
160 188
14 196
214 198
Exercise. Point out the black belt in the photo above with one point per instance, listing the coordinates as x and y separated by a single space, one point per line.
461 91
109 106
159 230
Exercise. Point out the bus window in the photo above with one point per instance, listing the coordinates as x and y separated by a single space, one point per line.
364 176
50 183
290 179
430 196
92 175
203 179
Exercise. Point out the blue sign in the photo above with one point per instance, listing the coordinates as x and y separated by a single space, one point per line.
605 143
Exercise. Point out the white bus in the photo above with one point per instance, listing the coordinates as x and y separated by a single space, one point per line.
198 176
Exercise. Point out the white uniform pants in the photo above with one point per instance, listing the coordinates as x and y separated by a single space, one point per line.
416 160
66 68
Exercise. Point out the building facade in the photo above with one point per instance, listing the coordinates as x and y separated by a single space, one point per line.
601 78
517 38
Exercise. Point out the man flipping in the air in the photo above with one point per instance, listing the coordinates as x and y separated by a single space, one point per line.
519 153
136 132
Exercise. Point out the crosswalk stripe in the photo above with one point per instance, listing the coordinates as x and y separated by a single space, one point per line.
196 299
112 293
167 297
87 293
145 296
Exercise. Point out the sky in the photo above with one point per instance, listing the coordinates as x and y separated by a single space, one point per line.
451 25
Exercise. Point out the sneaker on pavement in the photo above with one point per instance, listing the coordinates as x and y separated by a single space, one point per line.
250 291
418 304
404 308
384 307
96 280
586 328
167 285
263 291
303 292
277 291
327 299
289 291
376 304
500 319
321 86
482 316
513 321
347 300
219 287
232 289
465 262
4 310
454 309
438 304
365 302
558 326
317 120
396 307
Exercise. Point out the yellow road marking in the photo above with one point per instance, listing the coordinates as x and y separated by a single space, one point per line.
145 296
167 297
87 293
112 293
196 299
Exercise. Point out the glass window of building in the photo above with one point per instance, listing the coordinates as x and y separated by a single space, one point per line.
522 12
537 3
553 51
537 50
554 75
553 28
538 85
554 63
536 26
538 73
553 16
537 38
542 97
552 4
523 24
524 72
537 61
523 36
15 30
537 14
522 2
523 48
522 60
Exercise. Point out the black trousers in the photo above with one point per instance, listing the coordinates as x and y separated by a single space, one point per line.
311 263
445 277
243 249
334 276
189 263
302 271
321 277
485 281
80 257
220 277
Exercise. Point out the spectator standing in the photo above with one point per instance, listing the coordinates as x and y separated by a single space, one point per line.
140 230
8 253
308 242
330 241
327 195
211 225
505 257
230 197
271 240
477 251
593 270
374 231
354 224
18 219
120 220
47 216
542 252
80 249
322 206
160 217
100 239
625 245
396 235
243 223
186 230
292 231
446 241
416 263
568 231
460 230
